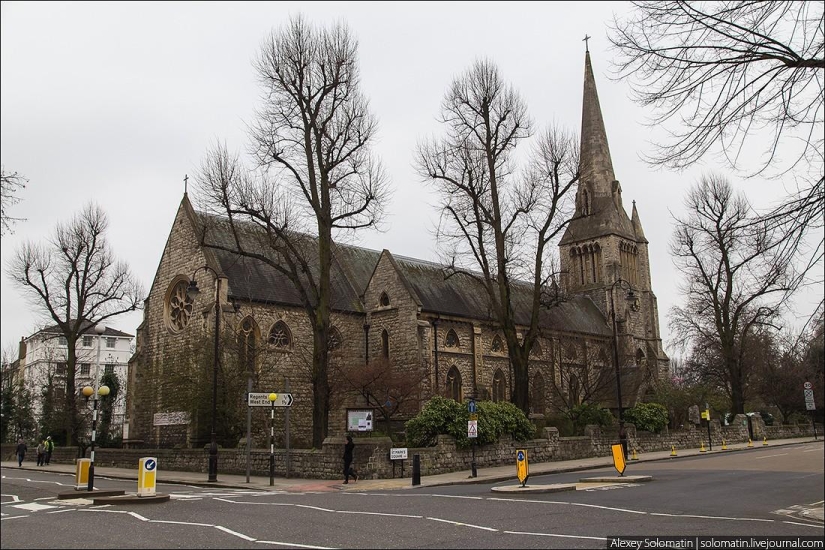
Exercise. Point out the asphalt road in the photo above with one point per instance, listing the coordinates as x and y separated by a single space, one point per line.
754 493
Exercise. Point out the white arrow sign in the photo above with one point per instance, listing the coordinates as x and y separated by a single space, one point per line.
262 400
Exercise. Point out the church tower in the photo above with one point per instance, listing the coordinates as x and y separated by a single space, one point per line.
602 244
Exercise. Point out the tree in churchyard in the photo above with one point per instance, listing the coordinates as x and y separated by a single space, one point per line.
74 281
733 78
314 178
736 279
499 223
11 183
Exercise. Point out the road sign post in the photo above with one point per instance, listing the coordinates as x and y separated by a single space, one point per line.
261 399
522 469
618 458
472 433
810 405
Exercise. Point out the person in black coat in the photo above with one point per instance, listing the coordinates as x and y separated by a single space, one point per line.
21 452
348 471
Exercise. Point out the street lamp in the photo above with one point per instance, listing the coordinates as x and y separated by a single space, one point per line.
272 398
631 297
192 291
98 390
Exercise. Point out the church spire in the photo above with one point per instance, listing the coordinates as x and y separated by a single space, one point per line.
597 167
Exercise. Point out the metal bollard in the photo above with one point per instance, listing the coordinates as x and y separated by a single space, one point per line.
416 473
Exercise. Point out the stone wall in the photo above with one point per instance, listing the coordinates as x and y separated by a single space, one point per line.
371 455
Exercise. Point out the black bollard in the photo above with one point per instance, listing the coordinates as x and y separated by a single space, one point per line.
416 473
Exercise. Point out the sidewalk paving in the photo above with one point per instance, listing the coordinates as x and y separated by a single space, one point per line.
485 475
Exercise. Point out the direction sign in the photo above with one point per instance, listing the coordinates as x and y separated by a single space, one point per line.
522 470
472 428
262 400
471 406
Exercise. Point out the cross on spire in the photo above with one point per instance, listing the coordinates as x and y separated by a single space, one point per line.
586 45
185 183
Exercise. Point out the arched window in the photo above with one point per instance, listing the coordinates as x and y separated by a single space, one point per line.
451 341
573 390
640 357
384 300
499 385
335 339
385 344
497 346
537 399
280 336
454 384
247 343
585 203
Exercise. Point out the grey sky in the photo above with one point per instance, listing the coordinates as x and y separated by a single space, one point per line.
115 102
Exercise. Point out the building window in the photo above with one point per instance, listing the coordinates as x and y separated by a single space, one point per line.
335 339
62 341
451 341
178 305
85 369
497 346
109 368
111 342
280 336
454 384
537 399
384 300
385 344
87 341
61 369
247 343
498 386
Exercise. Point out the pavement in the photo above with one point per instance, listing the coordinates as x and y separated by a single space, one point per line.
485 475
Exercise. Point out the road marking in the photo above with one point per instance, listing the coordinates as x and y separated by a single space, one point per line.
817 503
710 517
14 517
459 496
553 535
231 532
294 545
770 456
464 524
819 526
812 450
14 498
33 507
379 514
569 504
181 522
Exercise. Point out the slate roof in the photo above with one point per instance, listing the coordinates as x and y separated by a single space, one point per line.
86 327
353 266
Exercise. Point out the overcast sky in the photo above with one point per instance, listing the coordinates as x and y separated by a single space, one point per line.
115 102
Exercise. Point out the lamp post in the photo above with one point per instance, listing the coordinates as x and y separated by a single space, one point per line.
97 391
631 296
272 398
192 291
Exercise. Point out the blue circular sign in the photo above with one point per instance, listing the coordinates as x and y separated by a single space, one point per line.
520 456
149 465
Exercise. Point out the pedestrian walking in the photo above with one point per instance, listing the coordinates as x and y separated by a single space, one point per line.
41 453
348 470
49 449
21 452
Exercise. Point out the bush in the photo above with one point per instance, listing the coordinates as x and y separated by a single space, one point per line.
588 413
446 416
649 417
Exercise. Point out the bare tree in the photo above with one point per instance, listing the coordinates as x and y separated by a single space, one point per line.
316 178
742 76
736 280
10 185
498 225
75 281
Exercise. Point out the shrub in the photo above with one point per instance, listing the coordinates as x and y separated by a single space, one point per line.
588 413
649 417
446 416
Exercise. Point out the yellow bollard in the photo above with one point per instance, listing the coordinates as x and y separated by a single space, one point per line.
750 443
634 457
702 447
673 450
765 441
724 445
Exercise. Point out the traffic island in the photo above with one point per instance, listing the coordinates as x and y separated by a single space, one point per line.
131 498
616 479
88 494
532 489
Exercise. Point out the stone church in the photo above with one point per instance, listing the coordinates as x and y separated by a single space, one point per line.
397 309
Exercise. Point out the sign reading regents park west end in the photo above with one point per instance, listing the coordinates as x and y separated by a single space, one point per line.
360 420
262 400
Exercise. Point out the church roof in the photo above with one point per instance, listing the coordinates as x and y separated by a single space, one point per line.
352 269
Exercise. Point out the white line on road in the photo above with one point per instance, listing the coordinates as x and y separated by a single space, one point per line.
14 498
770 456
180 522
552 535
813 450
459 496
464 524
818 526
379 514
14 517
817 503
570 504
231 532
710 517
294 545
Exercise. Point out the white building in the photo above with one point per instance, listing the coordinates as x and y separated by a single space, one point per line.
43 357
